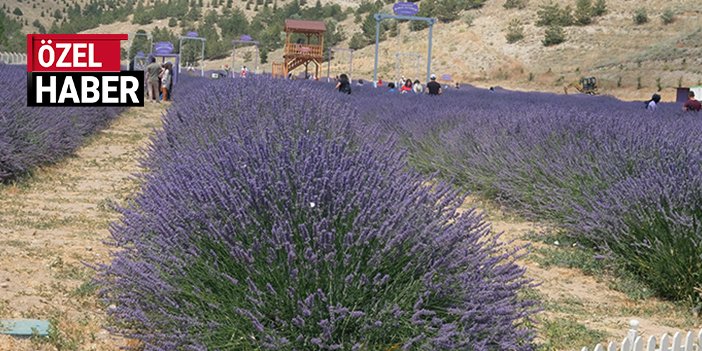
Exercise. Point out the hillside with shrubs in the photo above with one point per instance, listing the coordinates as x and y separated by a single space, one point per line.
535 44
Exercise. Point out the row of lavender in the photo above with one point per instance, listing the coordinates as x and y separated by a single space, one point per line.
618 177
32 136
272 218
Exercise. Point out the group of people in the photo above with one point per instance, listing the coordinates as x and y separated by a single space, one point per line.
691 105
159 80
407 86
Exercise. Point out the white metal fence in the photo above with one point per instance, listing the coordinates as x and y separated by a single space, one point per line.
633 342
13 58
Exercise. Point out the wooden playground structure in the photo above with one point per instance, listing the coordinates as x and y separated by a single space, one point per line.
303 51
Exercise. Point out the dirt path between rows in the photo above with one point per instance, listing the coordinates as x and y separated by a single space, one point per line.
579 309
53 221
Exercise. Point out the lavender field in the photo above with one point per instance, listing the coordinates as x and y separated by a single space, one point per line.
282 222
34 136
615 176
284 215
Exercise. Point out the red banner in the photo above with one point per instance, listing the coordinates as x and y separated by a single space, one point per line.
74 52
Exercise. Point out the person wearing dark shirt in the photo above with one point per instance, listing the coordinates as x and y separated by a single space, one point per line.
433 87
691 104
344 84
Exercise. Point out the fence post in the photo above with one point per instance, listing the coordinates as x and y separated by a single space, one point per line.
632 334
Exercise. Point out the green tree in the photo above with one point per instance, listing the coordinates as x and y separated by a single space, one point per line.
40 27
2 28
141 15
554 35
426 9
448 10
599 8
139 43
17 12
358 41
640 16
194 14
515 31
583 12
172 22
233 25
368 27
552 14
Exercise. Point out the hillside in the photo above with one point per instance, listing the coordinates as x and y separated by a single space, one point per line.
631 61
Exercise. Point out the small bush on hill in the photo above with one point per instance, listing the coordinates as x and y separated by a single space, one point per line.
599 8
515 31
554 35
468 19
640 16
583 12
515 4
668 16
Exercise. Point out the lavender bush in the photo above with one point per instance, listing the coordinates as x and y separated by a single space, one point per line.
615 175
271 218
31 136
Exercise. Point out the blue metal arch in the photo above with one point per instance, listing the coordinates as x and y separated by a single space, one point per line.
379 17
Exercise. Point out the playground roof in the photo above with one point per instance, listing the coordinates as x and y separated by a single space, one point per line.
303 26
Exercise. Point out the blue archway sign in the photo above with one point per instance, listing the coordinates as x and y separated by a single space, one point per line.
379 17
405 9
163 48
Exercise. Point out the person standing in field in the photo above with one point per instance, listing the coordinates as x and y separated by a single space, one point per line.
692 104
344 84
652 104
166 80
152 72
417 87
406 86
433 87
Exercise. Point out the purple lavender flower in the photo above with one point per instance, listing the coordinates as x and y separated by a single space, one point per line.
32 136
376 225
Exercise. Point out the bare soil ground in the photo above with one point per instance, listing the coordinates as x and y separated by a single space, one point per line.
54 222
